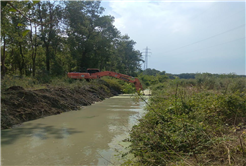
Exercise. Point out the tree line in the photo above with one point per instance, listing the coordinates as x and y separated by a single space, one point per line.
154 72
57 37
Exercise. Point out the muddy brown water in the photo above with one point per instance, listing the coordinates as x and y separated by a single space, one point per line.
90 136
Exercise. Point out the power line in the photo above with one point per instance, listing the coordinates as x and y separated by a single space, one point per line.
221 20
209 25
195 17
216 45
206 38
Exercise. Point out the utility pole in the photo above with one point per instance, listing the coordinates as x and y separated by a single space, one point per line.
146 58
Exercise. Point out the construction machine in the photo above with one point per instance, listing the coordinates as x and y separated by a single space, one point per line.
93 73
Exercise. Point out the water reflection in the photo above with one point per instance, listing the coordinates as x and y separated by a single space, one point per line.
39 131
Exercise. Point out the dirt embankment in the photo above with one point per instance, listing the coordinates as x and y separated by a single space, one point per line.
19 105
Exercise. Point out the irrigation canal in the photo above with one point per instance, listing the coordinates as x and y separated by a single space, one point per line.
90 136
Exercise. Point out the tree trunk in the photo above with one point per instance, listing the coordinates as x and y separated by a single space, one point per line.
3 57
22 62
47 58
34 54
33 67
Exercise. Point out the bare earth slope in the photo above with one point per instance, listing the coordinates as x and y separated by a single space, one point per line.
19 105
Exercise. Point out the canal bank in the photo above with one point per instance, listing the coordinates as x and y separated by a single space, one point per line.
20 105
90 136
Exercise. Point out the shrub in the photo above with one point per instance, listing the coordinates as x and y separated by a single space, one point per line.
25 82
193 125
114 83
128 88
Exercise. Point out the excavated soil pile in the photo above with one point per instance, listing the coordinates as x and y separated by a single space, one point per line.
20 105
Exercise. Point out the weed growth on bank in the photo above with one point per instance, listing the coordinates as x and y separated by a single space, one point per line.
193 122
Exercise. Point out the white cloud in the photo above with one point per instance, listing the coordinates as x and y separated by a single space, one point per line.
165 26
155 16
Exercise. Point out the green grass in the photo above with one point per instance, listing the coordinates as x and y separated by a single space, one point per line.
32 83
193 122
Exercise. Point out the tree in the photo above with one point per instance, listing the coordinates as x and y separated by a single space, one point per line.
49 15
128 59
5 27
54 37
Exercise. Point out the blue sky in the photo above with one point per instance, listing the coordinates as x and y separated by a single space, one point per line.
185 37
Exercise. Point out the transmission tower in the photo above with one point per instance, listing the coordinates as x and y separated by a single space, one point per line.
146 58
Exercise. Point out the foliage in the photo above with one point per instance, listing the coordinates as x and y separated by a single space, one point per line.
153 72
195 75
150 77
120 85
148 80
66 82
193 122
25 82
114 83
40 82
58 37
128 88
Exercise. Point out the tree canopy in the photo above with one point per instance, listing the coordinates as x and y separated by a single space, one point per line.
55 37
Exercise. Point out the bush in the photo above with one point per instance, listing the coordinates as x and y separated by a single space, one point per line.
114 83
148 80
25 82
128 88
193 125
